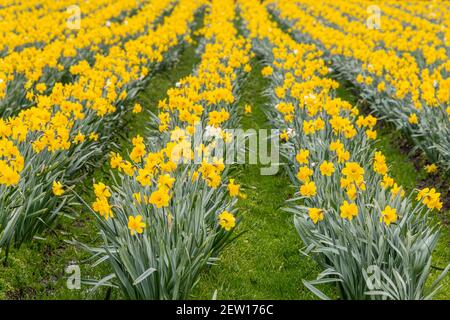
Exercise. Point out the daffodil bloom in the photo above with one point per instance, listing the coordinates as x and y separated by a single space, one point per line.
353 171
116 160
101 190
284 136
302 156
336 145
371 134
397 190
348 210
102 206
343 155
137 108
233 188
267 71
379 164
138 152
387 182
352 192
165 181
79 138
40 87
57 188
430 198
327 168
227 220
93 136
160 198
431 168
315 214
304 173
308 189
413 119
136 225
388 215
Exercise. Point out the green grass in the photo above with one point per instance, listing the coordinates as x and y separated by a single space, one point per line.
37 269
264 262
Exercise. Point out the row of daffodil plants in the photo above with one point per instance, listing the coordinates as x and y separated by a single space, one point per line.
35 70
432 12
353 218
54 143
402 68
165 216
26 58
20 23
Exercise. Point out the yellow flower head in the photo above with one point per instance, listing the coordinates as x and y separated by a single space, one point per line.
431 168
353 171
387 182
79 138
388 215
165 181
327 168
413 119
137 108
116 160
304 173
41 87
57 188
352 192
430 198
101 190
233 188
302 156
227 220
348 210
397 190
308 189
93 136
160 198
315 214
371 134
343 155
102 206
267 71
135 224
336 145
379 164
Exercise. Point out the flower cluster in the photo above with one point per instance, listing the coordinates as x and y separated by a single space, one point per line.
52 48
11 162
401 66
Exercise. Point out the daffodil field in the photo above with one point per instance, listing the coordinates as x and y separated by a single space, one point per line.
224 149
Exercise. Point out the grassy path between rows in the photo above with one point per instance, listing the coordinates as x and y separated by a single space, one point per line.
264 262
